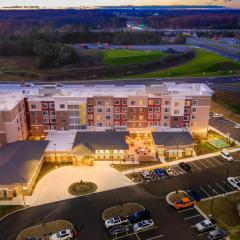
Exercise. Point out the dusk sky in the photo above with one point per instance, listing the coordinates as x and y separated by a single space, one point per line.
78 3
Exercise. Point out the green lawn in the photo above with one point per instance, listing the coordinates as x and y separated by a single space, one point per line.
225 212
204 64
126 57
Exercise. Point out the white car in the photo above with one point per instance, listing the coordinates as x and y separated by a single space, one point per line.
146 174
216 115
65 234
144 224
114 221
226 155
205 225
237 125
234 182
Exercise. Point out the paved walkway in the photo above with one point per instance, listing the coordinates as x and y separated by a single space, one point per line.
54 186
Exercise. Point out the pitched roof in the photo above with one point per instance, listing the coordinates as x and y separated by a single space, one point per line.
172 138
18 160
102 140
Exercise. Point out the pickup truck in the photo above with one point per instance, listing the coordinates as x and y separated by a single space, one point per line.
205 225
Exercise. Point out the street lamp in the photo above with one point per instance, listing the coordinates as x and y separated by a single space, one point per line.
55 156
23 194
211 206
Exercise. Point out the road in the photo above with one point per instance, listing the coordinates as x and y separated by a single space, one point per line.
221 49
86 211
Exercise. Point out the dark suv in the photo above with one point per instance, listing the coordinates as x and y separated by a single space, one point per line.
139 216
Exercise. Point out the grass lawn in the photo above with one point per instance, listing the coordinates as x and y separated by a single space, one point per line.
204 148
6 209
225 212
204 64
126 57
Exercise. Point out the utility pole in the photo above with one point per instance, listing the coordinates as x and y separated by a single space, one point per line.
23 195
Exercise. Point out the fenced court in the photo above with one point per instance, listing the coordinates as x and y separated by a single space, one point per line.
218 144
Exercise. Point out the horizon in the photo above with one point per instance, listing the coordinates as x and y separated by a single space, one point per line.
121 3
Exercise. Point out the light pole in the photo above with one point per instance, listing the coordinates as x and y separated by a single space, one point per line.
23 195
55 156
211 206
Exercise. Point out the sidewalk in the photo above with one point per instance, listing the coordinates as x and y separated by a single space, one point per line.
190 159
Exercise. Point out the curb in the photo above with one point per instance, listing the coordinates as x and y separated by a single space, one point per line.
200 211
169 194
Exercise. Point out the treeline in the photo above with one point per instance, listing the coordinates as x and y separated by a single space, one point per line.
46 54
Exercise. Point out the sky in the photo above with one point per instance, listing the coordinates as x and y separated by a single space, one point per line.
90 3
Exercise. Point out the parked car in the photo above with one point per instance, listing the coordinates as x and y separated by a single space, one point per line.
217 234
120 229
185 166
226 155
161 172
170 171
205 225
146 174
237 125
114 221
65 234
215 115
193 194
144 224
234 182
184 203
139 216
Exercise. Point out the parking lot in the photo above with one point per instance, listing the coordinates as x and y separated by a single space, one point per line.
225 125
148 234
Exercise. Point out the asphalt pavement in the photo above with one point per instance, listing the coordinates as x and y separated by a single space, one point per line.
86 211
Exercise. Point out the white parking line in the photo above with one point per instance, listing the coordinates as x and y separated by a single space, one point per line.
195 165
209 161
200 162
220 187
159 236
216 160
126 235
212 189
184 210
204 191
229 186
187 218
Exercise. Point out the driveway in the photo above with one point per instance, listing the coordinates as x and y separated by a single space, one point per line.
54 186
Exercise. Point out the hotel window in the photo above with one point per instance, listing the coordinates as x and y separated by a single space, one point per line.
107 102
51 105
124 102
99 117
53 127
186 110
46 127
99 124
132 117
124 109
116 102
141 110
45 113
63 121
140 102
53 120
133 103
124 116
186 118
176 111
133 110
157 101
150 109
177 104
33 114
194 117
165 124
62 106
194 102
108 117
151 102
108 109
150 116
167 102
99 110
44 105
99 103
157 109
117 116
187 103
175 119
90 102
33 106
157 116
194 110
185 125
52 113
90 117
45 120
90 109
166 110
141 117
117 109
166 117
